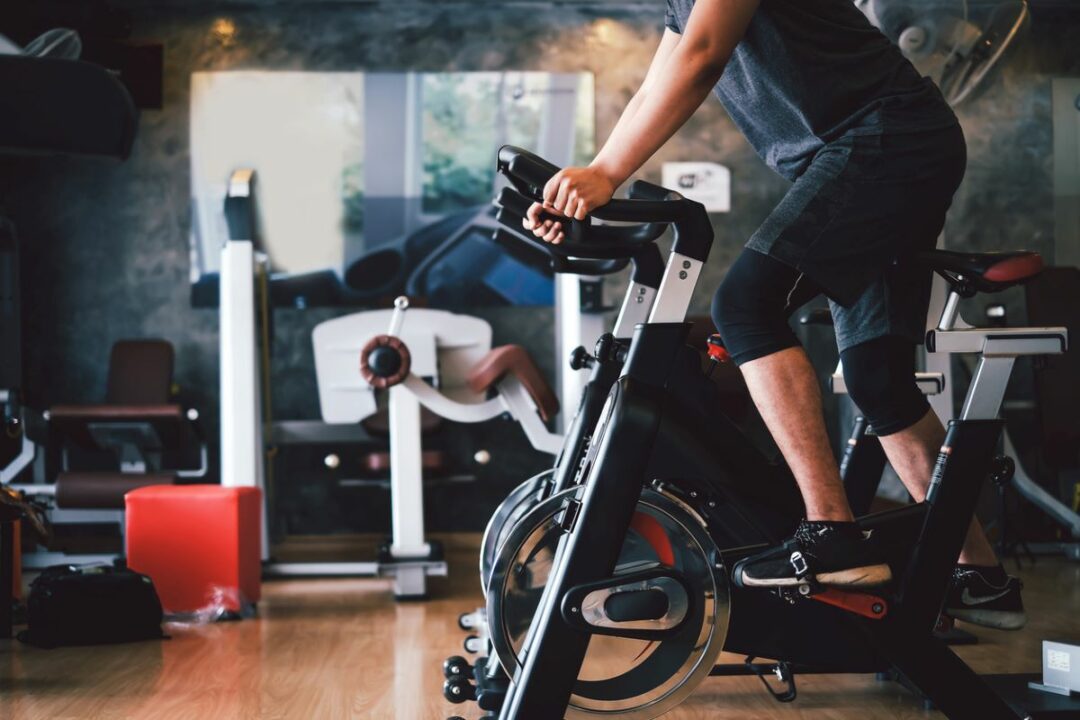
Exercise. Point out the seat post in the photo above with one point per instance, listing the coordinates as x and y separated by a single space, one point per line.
951 312
987 391
963 465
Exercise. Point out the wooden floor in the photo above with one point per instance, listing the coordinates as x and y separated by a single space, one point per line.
344 649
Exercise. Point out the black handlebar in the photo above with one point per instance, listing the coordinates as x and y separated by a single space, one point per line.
653 208
566 265
529 173
583 240
643 190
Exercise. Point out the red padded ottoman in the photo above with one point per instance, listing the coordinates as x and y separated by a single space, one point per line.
198 543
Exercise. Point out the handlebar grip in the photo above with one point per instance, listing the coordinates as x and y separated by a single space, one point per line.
559 264
582 238
650 216
513 201
603 248
644 190
525 167
519 204
587 266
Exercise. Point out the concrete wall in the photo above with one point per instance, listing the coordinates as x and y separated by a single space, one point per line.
106 245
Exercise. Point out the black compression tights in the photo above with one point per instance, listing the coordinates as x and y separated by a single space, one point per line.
752 309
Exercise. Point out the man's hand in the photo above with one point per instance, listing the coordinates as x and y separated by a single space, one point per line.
571 193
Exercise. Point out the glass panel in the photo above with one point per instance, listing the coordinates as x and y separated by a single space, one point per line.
373 185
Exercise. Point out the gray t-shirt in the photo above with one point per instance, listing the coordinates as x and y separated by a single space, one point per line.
810 71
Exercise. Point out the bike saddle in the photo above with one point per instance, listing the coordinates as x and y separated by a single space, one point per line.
983 272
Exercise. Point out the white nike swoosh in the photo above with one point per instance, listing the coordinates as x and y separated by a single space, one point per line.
970 599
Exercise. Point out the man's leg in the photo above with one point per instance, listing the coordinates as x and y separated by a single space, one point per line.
878 376
785 390
751 309
912 454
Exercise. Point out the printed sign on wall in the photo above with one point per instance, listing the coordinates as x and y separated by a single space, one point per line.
704 182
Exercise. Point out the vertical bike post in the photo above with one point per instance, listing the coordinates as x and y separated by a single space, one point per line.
952 497
542 687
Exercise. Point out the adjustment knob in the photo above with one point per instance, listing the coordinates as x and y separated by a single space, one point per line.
1002 470
717 352
580 358
604 345
384 361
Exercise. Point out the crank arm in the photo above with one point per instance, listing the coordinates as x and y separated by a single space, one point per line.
868 606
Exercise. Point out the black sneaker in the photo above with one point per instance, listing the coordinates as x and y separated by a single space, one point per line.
831 553
986 596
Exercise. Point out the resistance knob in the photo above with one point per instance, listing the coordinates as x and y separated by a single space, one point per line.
580 359
385 361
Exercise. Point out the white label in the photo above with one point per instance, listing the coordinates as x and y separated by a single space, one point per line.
1057 660
703 182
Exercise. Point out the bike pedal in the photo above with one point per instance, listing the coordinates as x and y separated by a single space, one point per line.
803 590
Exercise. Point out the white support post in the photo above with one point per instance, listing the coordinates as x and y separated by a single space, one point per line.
635 309
26 456
941 363
676 289
573 328
241 406
406 476
987 389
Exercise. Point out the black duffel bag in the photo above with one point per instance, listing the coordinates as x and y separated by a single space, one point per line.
91 605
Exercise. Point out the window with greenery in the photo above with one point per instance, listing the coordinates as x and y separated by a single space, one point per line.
467 116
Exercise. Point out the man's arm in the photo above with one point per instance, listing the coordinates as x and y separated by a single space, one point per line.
692 70
668 43
682 75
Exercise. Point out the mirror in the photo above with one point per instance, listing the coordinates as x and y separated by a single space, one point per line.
370 185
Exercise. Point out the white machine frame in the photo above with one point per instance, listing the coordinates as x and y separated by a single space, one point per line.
435 355
443 347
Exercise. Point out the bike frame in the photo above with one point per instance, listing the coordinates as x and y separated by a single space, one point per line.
923 540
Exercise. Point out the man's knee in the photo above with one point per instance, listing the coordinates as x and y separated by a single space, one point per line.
729 307
880 379
749 309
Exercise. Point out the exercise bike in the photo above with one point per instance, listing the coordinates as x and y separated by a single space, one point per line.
778 505
862 463
604 366
603 636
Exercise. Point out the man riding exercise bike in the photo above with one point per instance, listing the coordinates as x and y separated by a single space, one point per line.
874 154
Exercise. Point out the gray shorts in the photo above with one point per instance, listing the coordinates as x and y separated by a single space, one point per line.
851 222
